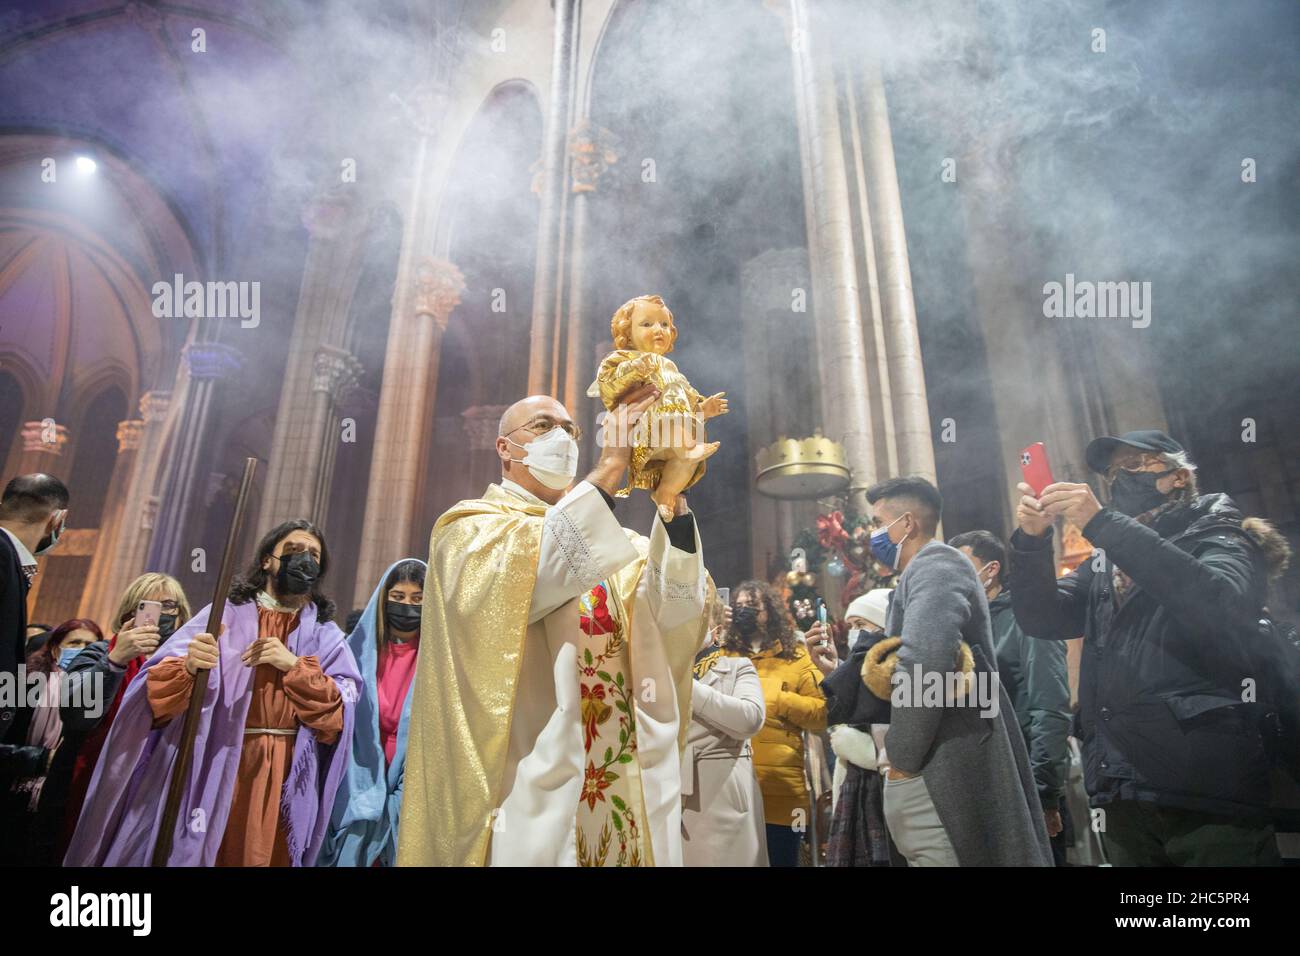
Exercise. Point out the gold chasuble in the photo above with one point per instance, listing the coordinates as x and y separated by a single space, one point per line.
524 723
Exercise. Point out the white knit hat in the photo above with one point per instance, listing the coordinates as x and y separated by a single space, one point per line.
872 606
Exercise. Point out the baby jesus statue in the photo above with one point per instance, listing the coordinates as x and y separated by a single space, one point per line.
669 446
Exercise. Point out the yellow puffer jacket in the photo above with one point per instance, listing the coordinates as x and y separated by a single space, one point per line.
793 694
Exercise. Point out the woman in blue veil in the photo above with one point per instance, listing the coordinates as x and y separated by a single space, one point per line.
385 642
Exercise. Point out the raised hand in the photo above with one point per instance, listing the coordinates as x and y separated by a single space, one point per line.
134 642
1072 499
715 405
1030 516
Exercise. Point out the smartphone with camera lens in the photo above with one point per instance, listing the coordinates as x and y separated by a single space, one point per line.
148 612
1034 467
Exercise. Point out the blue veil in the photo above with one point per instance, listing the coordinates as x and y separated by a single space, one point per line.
363 825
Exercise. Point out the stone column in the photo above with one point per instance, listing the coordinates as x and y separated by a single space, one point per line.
43 443
335 372
180 493
882 401
542 357
777 403
843 371
124 553
96 603
480 424
427 291
911 412
1022 348
592 150
303 444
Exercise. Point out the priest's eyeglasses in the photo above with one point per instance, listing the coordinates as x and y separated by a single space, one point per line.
544 423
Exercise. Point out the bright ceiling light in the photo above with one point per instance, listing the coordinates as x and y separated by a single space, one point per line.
85 165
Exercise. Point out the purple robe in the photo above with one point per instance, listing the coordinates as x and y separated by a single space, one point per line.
123 810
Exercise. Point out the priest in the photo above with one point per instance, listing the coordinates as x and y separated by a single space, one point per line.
552 692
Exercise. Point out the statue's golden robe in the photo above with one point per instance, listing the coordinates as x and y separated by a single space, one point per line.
678 408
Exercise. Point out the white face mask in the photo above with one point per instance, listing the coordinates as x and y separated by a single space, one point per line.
552 459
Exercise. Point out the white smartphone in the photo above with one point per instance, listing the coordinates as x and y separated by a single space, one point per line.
148 612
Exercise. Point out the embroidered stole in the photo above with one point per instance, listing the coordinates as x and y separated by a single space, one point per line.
610 814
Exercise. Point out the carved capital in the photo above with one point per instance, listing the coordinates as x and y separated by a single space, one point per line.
211 360
153 405
47 436
335 372
438 285
592 150
481 423
129 434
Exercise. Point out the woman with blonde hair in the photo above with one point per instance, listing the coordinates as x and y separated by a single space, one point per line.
118 660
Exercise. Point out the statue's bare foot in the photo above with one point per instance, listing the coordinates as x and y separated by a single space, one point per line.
666 513
701 452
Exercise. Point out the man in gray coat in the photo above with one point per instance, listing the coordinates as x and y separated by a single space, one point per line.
959 791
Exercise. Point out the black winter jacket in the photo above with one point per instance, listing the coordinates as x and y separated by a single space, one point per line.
1162 675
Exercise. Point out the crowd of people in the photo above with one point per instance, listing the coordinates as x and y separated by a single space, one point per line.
553 689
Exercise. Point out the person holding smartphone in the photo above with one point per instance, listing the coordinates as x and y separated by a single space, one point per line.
151 609
1169 608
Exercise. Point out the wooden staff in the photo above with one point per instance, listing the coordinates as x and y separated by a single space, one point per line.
181 769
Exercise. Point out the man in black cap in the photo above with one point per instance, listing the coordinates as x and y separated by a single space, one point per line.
1167 605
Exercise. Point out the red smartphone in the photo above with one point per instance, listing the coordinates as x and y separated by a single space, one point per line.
1034 467
148 612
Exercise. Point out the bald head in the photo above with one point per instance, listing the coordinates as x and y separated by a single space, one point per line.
526 409
512 437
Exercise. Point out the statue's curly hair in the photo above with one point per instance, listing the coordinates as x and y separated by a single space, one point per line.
620 327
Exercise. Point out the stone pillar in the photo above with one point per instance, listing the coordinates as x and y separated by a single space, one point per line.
882 400
96 603
427 291
592 150
542 356
180 493
318 367
480 424
335 372
778 402
910 410
124 553
1019 342
843 371
43 443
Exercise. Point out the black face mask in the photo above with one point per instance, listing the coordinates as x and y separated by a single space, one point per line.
1134 492
402 617
166 625
745 620
297 573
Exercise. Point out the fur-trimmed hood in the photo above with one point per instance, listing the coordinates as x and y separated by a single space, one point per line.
1272 545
